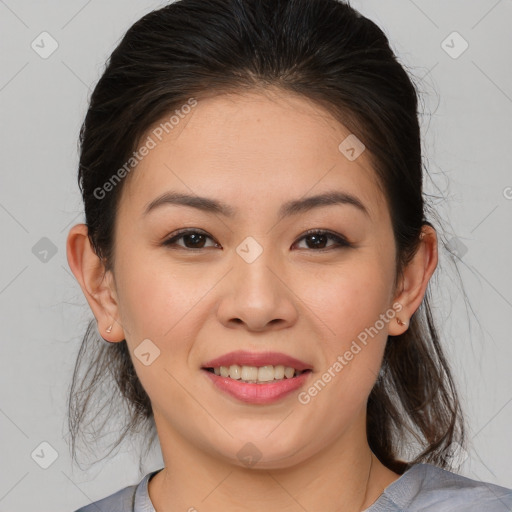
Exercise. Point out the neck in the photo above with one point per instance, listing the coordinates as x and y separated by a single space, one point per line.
344 476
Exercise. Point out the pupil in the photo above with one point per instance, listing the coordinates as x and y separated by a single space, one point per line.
197 238
317 237
194 237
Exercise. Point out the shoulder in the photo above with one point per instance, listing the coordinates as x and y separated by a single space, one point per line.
425 487
128 499
121 501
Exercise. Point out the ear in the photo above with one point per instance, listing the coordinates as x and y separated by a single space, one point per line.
97 285
415 278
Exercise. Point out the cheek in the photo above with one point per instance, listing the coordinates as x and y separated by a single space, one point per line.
348 304
350 298
156 302
155 296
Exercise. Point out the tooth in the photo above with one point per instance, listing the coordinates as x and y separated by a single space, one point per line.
289 372
254 374
249 373
278 372
266 373
235 371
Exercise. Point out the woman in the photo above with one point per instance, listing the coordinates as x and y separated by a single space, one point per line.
257 255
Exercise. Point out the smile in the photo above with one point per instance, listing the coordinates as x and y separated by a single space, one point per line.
256 377
255 374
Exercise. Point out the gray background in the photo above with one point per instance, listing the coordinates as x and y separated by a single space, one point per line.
467 107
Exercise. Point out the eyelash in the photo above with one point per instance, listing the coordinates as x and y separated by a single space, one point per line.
340 240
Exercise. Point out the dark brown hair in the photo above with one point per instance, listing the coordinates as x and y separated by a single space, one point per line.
327 52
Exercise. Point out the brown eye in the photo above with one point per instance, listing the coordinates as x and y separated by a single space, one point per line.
318 239
192 239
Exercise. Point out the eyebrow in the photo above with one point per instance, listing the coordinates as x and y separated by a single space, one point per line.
288 209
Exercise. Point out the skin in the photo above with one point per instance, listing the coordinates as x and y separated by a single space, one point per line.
255 151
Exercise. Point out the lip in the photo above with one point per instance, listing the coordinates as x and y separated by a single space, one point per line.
245 358
257 393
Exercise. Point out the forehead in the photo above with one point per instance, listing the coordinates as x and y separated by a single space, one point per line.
271 145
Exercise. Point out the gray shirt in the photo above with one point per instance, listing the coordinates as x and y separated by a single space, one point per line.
421 488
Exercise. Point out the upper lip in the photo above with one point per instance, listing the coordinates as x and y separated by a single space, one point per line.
244 358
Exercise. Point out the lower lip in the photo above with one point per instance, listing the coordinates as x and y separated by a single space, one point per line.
258 393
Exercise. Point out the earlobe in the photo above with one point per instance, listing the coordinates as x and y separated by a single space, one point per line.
96 283
415 278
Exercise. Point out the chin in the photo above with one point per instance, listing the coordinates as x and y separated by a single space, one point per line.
263 451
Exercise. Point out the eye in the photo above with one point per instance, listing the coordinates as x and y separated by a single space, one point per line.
192 238
319 237
195 239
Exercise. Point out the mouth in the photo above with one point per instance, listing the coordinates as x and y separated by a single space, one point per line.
257 374
257 378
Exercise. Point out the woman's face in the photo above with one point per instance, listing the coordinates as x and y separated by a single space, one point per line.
250 279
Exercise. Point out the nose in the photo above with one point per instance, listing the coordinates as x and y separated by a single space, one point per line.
257 296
